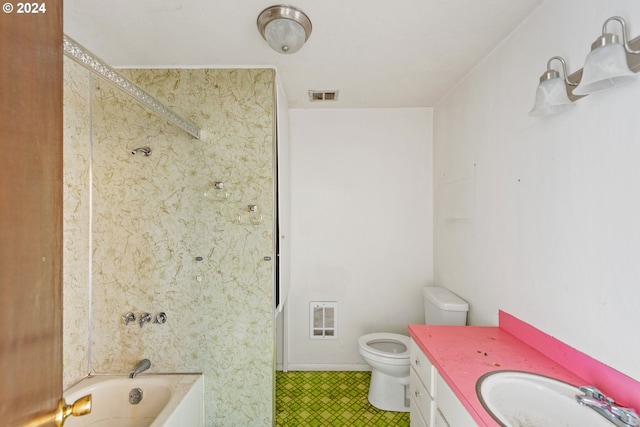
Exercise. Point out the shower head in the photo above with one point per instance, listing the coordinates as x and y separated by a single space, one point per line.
144 150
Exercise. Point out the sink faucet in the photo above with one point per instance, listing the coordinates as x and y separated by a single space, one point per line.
141 366
605 406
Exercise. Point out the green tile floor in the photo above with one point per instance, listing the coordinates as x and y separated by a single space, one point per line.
329 399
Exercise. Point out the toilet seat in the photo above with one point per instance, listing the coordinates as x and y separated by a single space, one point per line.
385 344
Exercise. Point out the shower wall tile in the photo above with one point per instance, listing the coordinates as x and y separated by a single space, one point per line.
76 228
152 220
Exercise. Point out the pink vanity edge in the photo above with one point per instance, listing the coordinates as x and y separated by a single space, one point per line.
458 353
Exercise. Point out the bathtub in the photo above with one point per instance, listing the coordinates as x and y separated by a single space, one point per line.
171 400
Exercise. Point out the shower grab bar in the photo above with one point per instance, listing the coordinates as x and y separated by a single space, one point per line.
84 57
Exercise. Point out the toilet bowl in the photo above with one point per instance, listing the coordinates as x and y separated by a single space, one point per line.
388 355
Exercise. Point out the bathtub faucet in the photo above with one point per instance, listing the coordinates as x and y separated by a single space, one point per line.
141 366
144 318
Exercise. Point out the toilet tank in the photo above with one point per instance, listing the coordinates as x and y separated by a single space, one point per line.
443 307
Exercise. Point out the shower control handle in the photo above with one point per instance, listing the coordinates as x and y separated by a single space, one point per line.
144 318
161 317
128 318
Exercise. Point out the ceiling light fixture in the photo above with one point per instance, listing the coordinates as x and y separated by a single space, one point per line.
606 65
551 95
285 28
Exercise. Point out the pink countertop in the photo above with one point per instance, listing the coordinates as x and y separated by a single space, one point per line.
462 354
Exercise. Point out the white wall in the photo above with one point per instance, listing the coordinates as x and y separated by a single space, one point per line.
361 226
540 217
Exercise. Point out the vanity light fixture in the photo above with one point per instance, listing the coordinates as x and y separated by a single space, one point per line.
551 95
606 66
285 28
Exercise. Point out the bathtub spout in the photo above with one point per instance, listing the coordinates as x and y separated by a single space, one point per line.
141 366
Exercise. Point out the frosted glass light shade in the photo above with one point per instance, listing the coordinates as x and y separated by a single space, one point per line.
285 28
551 98
284 35
605 67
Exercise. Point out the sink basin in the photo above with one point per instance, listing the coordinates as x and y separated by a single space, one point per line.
523 399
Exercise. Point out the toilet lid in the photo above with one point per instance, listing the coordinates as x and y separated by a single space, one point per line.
390 345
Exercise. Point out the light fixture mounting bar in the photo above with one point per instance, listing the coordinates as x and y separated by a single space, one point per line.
84 57
634 60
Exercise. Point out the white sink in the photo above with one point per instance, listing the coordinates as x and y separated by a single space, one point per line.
522 399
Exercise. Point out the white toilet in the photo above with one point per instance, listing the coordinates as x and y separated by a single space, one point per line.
388 353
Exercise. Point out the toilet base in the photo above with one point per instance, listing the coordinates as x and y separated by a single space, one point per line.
389 393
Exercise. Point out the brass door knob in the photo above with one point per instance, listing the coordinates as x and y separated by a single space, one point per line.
80 407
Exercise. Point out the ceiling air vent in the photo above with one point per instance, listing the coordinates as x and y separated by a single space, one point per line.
323 95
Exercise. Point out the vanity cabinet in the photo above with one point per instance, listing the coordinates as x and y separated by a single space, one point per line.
433 403
422 387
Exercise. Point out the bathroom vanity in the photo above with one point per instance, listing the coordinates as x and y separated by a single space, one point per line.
447 361
433 403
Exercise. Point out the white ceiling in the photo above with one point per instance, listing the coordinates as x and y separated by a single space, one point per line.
400 53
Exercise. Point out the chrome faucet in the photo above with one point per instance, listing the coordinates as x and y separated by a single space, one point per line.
144 318
128 318
605 406
141 366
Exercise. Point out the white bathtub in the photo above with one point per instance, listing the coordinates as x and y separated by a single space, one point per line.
172 400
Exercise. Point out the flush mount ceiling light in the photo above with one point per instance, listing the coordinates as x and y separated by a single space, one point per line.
606 66
285 28
551 95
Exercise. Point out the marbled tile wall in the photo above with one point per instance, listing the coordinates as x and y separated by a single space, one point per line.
154 217
77 157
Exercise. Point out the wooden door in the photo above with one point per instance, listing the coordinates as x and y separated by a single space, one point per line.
30 211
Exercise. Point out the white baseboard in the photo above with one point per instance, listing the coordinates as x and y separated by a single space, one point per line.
326 367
